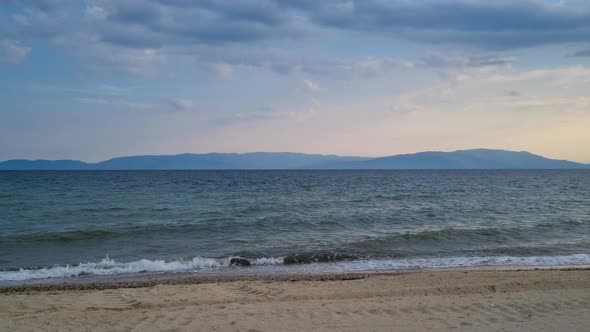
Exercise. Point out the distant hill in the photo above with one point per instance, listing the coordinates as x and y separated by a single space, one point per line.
462 159
22 164
255 160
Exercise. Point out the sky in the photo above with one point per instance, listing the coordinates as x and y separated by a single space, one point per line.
96 79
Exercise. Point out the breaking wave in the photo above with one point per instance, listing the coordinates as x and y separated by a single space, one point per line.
110 267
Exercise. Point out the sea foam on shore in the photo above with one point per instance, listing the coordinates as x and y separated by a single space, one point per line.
110 267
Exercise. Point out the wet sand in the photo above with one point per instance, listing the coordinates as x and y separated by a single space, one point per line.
482 300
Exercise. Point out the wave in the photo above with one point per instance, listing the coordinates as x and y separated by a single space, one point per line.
496 233
450 262
441 234
318 257
110 267
110 209
66 236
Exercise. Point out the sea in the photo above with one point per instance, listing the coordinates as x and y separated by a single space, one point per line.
58 225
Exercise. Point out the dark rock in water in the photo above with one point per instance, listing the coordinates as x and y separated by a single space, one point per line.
317 257
292 259
238 261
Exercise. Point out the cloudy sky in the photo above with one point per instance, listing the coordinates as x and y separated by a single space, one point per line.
96 79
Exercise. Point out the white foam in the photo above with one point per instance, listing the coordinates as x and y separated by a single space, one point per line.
450 262
268 261
109 266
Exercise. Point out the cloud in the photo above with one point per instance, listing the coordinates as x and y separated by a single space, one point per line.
283 62
223 71
299 111
582 53
101 57
160 23
112 99
142 37
564 78
110 90
119 103
153 24
489 24
403 109
548 92
513 93
439 60
457 67
181 104
265 113
13 51
571 104
311 86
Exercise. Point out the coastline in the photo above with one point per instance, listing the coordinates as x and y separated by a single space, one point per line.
90 282
510 298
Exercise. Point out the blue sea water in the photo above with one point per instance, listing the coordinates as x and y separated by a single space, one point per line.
68 223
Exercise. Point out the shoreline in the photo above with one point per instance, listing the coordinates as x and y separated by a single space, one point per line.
108 271
189 278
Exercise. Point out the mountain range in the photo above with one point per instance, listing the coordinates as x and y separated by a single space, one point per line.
461 159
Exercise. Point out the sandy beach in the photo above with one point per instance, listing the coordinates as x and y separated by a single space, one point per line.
484 300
